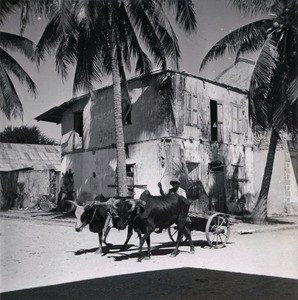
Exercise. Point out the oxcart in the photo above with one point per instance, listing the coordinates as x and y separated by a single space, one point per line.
216 226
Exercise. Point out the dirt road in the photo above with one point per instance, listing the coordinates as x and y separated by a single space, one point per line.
39 255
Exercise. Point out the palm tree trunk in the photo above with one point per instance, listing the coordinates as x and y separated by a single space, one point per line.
259 213
122 189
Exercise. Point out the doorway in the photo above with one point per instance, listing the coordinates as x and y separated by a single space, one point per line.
217 191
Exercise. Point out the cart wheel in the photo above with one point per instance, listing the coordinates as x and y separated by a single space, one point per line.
217 230
173 234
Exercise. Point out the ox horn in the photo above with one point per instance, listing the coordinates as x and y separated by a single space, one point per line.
139 201
133 204
98 203
72 202
115 203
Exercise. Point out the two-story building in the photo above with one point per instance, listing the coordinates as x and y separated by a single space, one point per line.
178 125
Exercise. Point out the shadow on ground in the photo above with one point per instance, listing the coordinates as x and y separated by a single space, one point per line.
50 215
166 248
184 283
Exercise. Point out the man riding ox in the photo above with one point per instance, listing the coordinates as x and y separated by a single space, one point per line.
155 212
176 189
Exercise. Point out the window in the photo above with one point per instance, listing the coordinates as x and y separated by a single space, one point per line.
216 121
130 178
78 130
237 120
191 109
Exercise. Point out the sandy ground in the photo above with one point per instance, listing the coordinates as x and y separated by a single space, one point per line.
35 254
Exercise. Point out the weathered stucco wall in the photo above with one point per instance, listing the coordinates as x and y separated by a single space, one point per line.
277 195
291 177
150 117
283 194
160 140
201 93
95 170
160 143
36 183
67 125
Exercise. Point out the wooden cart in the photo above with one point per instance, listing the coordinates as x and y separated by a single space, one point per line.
216 226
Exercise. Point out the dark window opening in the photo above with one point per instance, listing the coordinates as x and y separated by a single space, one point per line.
78 130
213 119
216 120
127 117
130 178
216 166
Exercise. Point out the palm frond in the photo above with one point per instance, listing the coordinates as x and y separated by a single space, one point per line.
66 23
185 13
247 38
147 31
265 66
61 25
261 79
11 65
7 8
275 76
285 95
66 54
292 91
32 8
88 68
49 40
10 103
14 42
253 7
127 36
166 33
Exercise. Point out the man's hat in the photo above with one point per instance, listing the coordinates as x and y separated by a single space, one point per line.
174 180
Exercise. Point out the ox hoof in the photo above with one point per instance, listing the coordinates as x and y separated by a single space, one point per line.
98 251
139 259
173 255
192 251
147 257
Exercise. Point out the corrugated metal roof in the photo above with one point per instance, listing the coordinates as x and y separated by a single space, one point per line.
24 156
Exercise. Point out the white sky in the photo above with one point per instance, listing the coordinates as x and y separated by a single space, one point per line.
215 18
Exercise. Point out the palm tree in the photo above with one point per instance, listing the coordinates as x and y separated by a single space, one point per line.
10 102
102 37
274 83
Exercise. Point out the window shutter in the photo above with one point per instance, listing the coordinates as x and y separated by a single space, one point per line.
220 122
194 110
235 118
188 112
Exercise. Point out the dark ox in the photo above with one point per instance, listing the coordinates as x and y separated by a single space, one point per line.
94 215
131 211
158 212
98 216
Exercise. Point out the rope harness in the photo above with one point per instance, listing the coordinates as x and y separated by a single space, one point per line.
93 215
138 213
